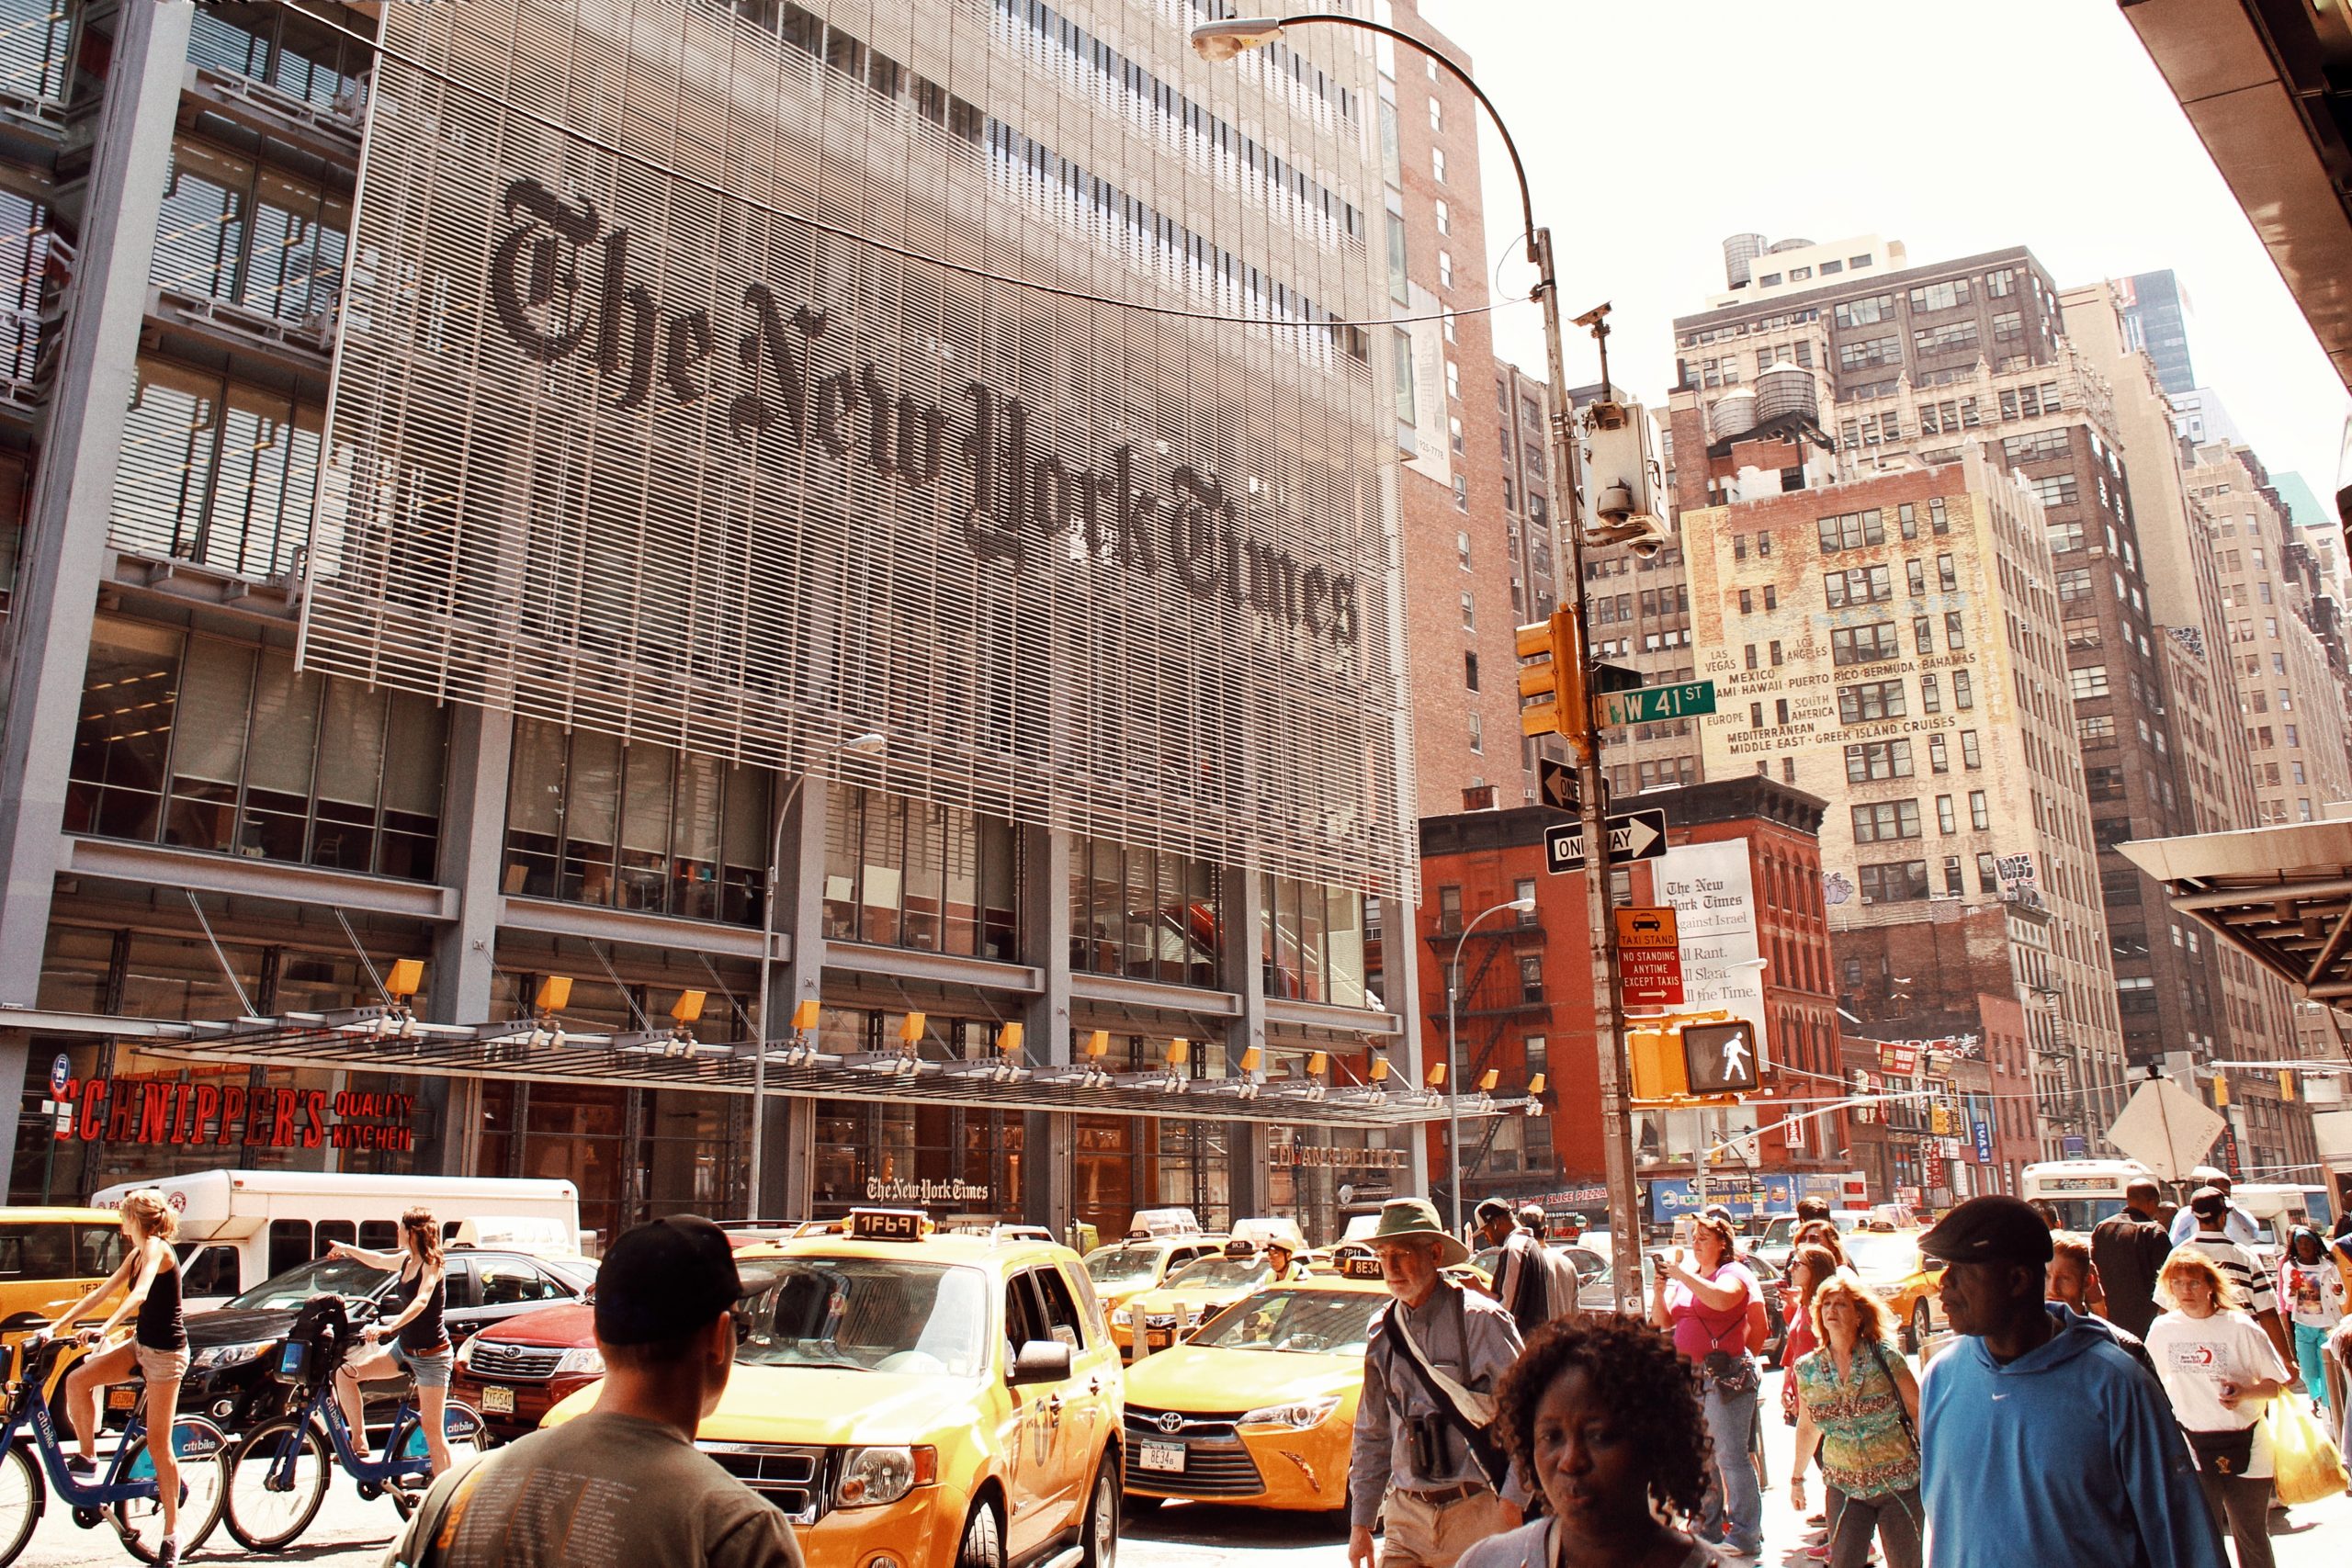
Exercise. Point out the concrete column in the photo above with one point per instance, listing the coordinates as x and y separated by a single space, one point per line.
65 531
1244 929
1400 974
463 985
789 1180
1047 1138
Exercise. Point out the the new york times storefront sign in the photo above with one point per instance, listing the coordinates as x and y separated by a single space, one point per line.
562 285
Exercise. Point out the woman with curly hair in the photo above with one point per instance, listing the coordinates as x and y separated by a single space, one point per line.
2220 1369
1857 1406
1603 1418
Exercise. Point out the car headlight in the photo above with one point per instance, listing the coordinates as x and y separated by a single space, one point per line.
875 1476
1886 1292
1123 1318
585 1362
219 1357
1299 1417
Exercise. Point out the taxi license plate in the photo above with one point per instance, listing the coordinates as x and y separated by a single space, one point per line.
1160 1456
497 1401
122 1399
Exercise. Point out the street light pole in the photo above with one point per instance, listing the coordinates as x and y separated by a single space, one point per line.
1222 41
870 741
1453 1070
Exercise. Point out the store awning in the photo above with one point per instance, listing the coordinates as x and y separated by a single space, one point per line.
385 1040
2282 895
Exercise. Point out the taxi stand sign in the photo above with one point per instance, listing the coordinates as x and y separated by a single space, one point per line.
1649 958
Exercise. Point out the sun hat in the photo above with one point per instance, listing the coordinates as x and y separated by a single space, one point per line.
1415 1219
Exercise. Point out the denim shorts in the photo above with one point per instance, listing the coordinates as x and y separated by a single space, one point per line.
432 1368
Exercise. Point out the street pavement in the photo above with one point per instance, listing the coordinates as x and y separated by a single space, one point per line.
350 1533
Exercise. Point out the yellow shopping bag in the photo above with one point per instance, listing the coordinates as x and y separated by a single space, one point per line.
2306 1466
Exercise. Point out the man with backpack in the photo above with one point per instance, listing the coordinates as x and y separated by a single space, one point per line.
1426 1448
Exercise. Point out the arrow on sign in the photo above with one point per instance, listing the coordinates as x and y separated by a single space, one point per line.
1636 835
1557 784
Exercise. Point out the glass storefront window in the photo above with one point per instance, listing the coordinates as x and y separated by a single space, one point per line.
1145 915
642 826
213 745
1314 942
906 874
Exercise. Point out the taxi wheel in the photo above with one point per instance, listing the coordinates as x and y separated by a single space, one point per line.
1922 1327
1098 1536
983 1544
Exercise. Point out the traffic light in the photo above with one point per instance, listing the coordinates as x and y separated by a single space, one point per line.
1551 670
1721 1058
1692 1059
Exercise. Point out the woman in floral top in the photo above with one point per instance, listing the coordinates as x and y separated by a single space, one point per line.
1858 1402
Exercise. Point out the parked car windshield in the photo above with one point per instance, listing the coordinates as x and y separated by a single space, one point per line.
1215 1273
1880 1259
866 1314
321 1276
1116 1268
1329 1323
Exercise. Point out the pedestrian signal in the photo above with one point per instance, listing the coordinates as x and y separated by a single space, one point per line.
1720 1058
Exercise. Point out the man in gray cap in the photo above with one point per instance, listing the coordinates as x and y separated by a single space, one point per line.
622 1486
1425 1441
2041 1441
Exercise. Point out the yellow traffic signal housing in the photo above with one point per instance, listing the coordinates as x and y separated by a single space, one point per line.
1550 673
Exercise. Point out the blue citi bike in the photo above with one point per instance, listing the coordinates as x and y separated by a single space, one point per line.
123 1493
279 1472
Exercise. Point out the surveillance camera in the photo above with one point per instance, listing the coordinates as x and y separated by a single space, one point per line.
1646 547
1615 504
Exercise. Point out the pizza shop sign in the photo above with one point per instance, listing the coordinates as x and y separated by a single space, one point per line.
172 1110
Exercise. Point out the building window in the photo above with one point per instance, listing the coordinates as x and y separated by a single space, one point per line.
1858 585
639 827
1537 1051
1437 164
1851 531
206 744
1445 269
1872 759
1478 733
1942 296
1887 819
1531 977
1939 760
281 48
1312 948
1525 888
1897 882
1470 671
1449 910
1864 645
1444 216
1970 756
219 471
2088 681
1454 383
1469 612
1963 690
1870 700
257 235
1980 810
1947 819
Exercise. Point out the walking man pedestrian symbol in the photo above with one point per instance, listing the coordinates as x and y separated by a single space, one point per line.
1736 1057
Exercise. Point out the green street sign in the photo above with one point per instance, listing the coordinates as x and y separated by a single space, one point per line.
1651 704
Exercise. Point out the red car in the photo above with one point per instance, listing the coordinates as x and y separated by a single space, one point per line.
514 1372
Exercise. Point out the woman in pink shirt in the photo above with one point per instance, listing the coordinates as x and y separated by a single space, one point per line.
1702 1301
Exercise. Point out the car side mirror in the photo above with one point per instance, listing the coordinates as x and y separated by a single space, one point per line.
1040 1360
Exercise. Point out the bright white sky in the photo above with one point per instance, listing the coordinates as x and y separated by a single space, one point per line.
1653 128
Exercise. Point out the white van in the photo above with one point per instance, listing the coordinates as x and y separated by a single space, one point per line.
240 1227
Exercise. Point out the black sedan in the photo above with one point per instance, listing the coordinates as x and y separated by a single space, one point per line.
233 1348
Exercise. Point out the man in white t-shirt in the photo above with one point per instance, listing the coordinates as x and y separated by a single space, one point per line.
2211 1209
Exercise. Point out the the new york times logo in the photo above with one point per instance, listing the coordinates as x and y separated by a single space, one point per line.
561 285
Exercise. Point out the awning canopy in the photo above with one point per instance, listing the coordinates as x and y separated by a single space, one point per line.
2281 895
387 1040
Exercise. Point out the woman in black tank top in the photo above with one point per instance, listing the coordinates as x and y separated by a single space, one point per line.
157 1349
412 1320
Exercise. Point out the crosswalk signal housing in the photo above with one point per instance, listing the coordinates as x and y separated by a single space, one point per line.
1551 675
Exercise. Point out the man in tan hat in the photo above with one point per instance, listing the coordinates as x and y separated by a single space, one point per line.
1425 1442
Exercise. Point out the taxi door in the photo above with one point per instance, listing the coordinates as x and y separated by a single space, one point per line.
1083 1410
1024 1428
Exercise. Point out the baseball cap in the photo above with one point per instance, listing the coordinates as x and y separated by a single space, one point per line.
1492 1209
664 1279
2209 1202
1992 1229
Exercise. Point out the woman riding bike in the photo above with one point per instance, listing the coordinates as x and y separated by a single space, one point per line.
157 1348
420 1341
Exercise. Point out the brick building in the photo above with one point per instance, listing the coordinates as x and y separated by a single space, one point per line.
1523 1006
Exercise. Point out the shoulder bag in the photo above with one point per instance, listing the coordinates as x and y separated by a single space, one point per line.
1470 1414
1878 1354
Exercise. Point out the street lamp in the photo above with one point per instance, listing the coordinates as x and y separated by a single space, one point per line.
1222 41
1453 1075
870 743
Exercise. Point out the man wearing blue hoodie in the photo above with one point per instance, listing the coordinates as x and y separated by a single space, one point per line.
2041 1441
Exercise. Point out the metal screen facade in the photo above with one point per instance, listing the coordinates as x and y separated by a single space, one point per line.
619 440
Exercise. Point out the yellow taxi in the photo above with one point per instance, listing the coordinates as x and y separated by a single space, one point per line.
915 1400
1157 1319
1259 1407
1126 1269
1892 1265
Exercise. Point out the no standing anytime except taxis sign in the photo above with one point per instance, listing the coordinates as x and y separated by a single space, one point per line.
1649 958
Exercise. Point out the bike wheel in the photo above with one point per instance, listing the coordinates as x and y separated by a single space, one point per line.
276 1481
467 1433
202 1450
22 1498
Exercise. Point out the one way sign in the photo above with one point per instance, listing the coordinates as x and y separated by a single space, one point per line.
1636 835
1557 784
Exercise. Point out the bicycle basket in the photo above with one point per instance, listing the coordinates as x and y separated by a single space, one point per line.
315 1345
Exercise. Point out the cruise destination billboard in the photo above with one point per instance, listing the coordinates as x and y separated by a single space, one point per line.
674 399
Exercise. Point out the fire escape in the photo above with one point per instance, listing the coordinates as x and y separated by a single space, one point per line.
1499 1002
